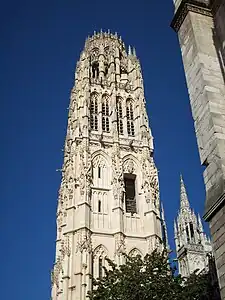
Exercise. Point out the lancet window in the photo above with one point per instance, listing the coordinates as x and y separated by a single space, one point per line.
94 111
100 253
100 172
105 113
120 115
94 64
130 117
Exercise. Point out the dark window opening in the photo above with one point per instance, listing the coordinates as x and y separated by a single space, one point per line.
100 267
120 127
95 70
187 232
123 70
120 110
99 172
130 201
106 69
99 206
192 230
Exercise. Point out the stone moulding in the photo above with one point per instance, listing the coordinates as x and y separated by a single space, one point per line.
185 7
214 208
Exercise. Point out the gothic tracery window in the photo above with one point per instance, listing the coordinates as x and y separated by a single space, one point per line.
120 115
105 113
94 111
130 117
99 261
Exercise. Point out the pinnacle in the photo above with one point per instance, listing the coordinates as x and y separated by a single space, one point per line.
175 227
200 223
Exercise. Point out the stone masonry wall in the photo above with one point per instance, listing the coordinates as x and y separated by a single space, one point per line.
200 46
217 228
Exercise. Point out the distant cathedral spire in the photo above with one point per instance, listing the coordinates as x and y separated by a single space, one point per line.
164 229
191 242
184 203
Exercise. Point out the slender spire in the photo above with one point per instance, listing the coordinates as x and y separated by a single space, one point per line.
184 203
134 52
129 50
164 228
175 228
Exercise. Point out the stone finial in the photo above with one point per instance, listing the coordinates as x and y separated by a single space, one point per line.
184 203
164 228
134 52
129 50
175 229
200 224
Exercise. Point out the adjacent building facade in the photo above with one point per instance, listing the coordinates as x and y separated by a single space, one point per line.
192 244
200 25
109 195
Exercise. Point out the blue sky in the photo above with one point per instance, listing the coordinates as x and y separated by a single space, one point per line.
40 44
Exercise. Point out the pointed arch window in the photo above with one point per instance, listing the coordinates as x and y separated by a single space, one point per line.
94 111
105 113
130 117
120 115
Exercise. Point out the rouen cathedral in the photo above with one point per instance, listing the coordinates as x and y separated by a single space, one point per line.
109 194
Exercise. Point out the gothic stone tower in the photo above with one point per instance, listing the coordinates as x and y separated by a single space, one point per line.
201 30
109 195
192 245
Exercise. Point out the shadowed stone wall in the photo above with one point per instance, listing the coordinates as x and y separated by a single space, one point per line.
201 32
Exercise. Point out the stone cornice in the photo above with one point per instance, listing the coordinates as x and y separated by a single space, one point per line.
185 7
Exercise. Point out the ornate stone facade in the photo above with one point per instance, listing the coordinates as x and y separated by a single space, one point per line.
192 244
200 25
109 195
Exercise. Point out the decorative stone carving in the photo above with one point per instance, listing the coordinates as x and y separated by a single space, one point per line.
119 244
100 251
84 241
134 252
65 247
128 166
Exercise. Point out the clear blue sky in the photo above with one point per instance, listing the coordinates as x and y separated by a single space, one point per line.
40 44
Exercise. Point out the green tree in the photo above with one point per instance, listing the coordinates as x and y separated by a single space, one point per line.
150 278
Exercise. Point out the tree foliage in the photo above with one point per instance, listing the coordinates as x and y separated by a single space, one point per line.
150 278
